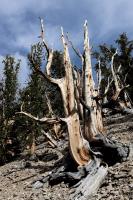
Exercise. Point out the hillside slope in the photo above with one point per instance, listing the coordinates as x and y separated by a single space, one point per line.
23 179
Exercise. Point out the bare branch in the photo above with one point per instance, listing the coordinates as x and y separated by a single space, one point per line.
21 108
113 72
42 36
41 120
49 105
108 86
99 75
49 51
47 75
119 68
49 62
125 77
74 49
49 137
69 82
87 69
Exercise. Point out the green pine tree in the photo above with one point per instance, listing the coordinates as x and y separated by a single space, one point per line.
8 106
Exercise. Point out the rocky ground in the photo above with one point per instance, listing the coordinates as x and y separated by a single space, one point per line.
24 179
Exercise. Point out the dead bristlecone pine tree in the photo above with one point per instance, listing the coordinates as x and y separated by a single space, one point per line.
88 144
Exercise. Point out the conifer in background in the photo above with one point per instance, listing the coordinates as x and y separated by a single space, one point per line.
8 104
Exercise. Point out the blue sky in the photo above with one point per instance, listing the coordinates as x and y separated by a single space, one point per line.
19 24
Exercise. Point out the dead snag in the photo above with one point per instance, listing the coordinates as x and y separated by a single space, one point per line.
82 116
125 104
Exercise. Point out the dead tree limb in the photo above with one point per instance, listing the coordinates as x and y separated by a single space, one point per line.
75 49
119 88
41 120
99 76
49 137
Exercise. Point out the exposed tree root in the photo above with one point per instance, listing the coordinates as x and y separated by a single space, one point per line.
90 184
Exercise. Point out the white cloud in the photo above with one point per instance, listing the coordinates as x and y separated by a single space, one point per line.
111 16
104 16
20 24
16 7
